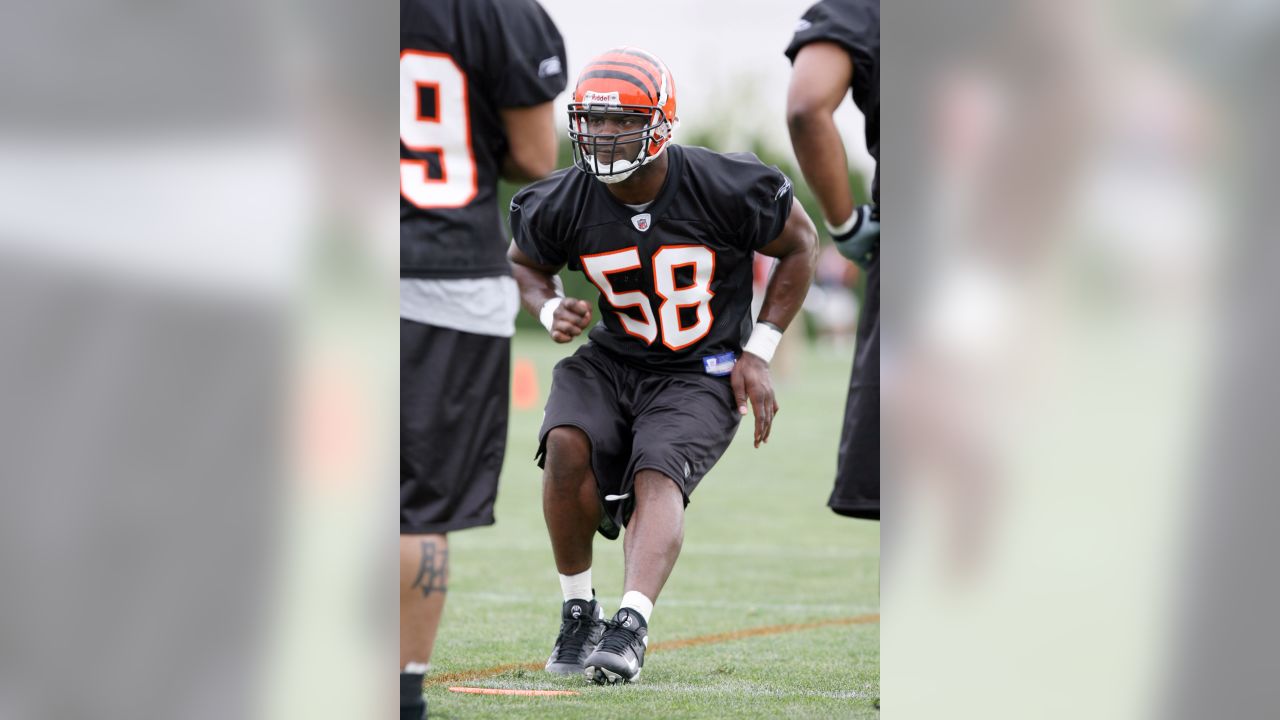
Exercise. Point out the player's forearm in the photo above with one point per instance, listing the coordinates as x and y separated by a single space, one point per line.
526 169
796 248
513 172
790 283
820 152
536 287
532 142
787 288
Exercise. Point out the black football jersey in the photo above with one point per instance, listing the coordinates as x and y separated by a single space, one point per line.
855 26
461 62
675 277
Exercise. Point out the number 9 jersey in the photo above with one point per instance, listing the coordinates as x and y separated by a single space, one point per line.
461 62
674 275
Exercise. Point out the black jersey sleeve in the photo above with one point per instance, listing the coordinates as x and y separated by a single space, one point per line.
526 63
852 24
536 222
767 205
746 199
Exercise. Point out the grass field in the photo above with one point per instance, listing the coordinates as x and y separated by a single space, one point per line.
772 610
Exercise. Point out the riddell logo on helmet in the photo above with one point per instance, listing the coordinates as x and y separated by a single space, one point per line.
598 98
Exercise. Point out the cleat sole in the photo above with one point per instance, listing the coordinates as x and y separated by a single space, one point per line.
605 676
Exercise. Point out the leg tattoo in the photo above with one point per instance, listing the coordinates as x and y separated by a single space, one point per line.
433 572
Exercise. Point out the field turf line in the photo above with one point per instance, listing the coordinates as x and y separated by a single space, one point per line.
481 673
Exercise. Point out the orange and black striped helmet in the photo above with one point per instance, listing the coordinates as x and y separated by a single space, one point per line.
634 87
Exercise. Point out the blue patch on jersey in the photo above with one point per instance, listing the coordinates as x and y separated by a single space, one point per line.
719 364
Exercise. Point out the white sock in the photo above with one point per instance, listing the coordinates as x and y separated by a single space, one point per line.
576 587
638 602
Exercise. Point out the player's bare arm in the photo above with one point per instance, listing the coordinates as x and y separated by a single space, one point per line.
796 248
537 287
820 81
532 142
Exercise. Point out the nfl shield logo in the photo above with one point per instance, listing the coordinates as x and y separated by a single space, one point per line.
641 221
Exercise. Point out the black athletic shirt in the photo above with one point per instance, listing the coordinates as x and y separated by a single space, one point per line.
680 270
855 26
461 61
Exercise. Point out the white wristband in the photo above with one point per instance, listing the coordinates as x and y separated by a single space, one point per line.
764 341
547 314
844 227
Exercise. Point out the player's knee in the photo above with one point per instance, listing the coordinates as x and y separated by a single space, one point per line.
653 484
568 454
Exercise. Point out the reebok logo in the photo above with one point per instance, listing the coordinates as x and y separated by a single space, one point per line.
577 612
626 622
631 665
550 67
786 185
592 97
641 221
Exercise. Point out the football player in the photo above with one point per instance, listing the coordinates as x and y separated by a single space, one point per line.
836 51
476 82
642 411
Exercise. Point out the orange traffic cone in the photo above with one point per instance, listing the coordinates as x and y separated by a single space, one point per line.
524 385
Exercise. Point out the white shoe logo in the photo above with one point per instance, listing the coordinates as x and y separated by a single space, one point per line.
631 665
626 623
577 611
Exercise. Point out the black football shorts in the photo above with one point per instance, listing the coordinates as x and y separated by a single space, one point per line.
857 487
454 394
676 424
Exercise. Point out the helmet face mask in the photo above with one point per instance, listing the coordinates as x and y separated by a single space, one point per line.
622 114
612 142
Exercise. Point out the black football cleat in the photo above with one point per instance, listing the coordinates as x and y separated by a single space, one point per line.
620 655
581 624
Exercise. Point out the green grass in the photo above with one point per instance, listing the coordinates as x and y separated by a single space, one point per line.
761 549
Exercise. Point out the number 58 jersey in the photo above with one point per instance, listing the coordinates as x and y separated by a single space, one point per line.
461 63
675 275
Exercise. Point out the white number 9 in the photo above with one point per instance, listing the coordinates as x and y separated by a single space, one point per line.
443 130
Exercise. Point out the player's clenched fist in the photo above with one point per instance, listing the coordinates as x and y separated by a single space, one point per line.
570 319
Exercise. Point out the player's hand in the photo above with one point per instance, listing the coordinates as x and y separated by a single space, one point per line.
751 382
570 319
862 243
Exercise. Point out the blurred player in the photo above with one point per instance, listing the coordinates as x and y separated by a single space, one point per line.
476 81
641 412
836 50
